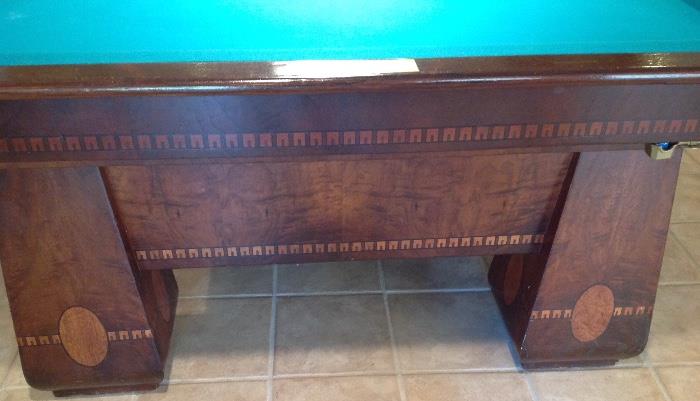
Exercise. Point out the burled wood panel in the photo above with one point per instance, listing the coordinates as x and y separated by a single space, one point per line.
248 213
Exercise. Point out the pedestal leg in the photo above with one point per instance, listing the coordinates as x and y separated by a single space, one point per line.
86 321
587 299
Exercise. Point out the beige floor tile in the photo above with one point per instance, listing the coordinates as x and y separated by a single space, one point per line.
409 274
326 334
472 386
15 376
376 388
225 281
677 265
682 383
8 344
686 206
320 277
675 329
688 236
30 394
635 361
3 290
691 161
227 391
597 385
220 338
449 331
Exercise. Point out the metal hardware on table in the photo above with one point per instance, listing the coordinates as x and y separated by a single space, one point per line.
664 150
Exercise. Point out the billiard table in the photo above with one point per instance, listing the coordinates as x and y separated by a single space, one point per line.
136 138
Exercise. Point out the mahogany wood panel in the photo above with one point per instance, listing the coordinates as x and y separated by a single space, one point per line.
589 297
136 128
222 214
79 315
262 77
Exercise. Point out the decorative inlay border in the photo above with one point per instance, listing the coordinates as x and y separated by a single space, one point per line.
112 336
339 247
566 314
334 139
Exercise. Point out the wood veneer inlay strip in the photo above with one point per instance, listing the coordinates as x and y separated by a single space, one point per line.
340 138
338 247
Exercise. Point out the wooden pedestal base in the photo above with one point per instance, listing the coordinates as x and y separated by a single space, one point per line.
86 321
588 297
89 322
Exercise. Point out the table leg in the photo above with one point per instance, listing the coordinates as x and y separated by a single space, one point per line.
587 298
86 321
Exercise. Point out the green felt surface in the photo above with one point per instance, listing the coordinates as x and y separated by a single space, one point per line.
99 31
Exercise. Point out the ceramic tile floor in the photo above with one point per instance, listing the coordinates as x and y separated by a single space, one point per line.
399 330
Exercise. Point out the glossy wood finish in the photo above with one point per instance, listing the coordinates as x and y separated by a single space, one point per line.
85 320
536 158
588 297
109 130
263 77
256 213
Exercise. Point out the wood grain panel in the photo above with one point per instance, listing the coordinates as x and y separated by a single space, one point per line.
215 214
588 297
80 320
145 128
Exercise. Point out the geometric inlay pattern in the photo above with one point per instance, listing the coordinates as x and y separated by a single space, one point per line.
339 138
339 247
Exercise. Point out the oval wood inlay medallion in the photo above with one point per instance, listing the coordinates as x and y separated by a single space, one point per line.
592 313
513 278
83 336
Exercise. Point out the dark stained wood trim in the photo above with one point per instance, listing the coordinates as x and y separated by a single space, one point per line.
17 82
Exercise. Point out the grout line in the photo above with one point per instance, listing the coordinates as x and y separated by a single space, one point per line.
340 293
646 362
674 364
683 222
9 370
365 374
272 336
630 366
328 293
225 296
438 291
684 249
329 375
413 372
394 351
659 384
679 283
531 387
224 379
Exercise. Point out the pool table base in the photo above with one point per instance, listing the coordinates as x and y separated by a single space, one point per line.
89 320
587 298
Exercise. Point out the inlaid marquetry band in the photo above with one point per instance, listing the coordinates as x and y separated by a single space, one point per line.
593 312
55 339
336 138
339 247
618 311
83 336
